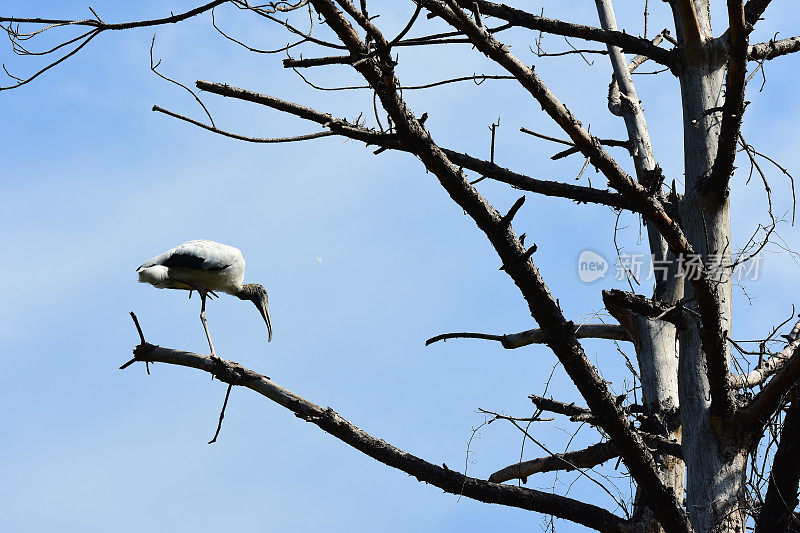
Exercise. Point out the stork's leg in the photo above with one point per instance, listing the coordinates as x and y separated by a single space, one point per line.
203 295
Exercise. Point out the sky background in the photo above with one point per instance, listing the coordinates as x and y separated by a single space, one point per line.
364 258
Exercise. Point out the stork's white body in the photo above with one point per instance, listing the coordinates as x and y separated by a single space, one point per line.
205 267
201 264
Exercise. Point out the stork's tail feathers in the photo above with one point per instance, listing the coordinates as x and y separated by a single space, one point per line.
155 275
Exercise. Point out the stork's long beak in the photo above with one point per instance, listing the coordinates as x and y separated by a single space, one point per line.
263 308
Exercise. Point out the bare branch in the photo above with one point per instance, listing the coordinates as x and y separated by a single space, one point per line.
407 27
266 140
154 68
538 336
253 48
768 366
332 423
757 412
641 305
290 62
784 478
554 406
692 35
446 37
773 49
28 79
572 148
586 458
733 108
98 26
614 94
627 42
485 168
753 10
102 26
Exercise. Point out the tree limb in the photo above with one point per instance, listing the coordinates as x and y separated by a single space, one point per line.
648 172
100 25
753 10
626 41
587 458
773 49
641 305
784 478
539 336
331 422
493 171
757 412
238 137
692 35
767 367
614 94
733 108
562 408
578 193
291 62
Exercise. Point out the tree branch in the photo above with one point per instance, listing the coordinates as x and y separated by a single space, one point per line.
773 49
539 336
331 422
238 137
733 108
757 412
614 94
692 36
648 172
784 478
641 305
627 42
587 458
290 62
562 408
579 193
100 25
753 10
768 366
490 170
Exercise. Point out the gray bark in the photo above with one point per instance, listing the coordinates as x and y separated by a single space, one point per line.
714 465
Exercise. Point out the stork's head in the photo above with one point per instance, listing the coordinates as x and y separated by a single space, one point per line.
258 295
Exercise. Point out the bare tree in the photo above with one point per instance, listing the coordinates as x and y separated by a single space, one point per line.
699 443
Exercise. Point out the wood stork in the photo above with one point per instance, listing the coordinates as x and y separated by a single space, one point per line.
205 266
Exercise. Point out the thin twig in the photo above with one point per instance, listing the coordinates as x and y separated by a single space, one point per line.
222 414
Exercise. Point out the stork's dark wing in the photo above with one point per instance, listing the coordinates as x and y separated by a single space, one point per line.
184 260
198 255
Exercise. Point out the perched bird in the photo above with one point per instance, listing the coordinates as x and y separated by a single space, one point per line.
205 267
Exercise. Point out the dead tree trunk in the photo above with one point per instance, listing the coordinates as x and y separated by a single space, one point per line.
714 459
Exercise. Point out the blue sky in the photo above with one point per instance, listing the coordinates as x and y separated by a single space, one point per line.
364 258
